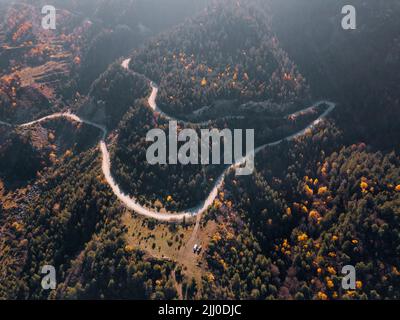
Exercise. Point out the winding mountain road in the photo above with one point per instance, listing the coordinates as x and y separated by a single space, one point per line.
5 124
132 203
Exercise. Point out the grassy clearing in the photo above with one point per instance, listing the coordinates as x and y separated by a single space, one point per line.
158 239
172 242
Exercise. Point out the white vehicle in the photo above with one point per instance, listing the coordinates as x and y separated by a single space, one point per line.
195 248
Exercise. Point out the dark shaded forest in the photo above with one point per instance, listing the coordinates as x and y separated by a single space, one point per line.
358 67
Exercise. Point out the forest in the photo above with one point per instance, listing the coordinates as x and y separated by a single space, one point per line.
361 73
193 75
205 60
332 207
325 199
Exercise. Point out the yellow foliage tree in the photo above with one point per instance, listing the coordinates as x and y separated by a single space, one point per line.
210 278
314 214
17 226
331 270
322 296
308 191
302 237
129 248
322 191
363 185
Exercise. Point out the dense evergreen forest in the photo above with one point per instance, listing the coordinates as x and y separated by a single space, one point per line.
305 215
313 204
190 74
74 223
228 52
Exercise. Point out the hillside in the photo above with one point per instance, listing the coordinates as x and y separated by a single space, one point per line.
358 67
206 60
78 193
257 91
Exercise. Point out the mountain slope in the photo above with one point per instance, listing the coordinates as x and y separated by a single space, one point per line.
228 52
